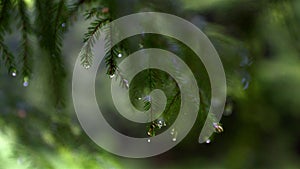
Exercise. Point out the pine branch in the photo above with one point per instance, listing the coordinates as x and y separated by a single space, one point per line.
26 51
51 35
123 81
94 12
111 52
91 36
7 56
73 8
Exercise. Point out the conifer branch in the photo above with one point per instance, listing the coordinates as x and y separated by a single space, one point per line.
7 56
103 18
86 53
26 51
51 40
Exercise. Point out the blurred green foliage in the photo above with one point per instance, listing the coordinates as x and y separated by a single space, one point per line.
259 44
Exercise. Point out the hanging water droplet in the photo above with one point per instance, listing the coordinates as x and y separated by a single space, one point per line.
148 140
147 98
112 76
120 55
25 81
86 65
160 123
207 141
245 83
218 127
172 131
139 98
14 73
126 83
63 25
25 84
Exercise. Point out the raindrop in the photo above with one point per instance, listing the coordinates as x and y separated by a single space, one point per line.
25 81
161 123
86 65
120 55
174 139
112 76
25 84
218 127
13 72
148 140
245 83
208 141
172 131
139 98
126 83
147 98
63 25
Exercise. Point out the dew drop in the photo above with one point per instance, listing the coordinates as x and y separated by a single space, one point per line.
218 127
160 123
139 98
112 76
126 83
208 141
172 131
63 25
25 84
148 140
245 83
174 139
13 72
25 81
147 98
87 66
120 55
